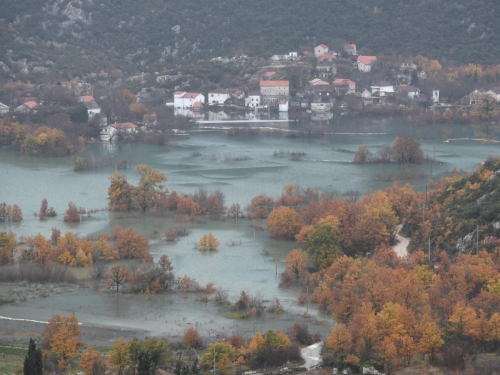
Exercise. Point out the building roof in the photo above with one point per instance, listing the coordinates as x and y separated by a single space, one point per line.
124 125
367 60
238 92
31 104
495 90
87 98
322 45
317 81
3 106
316 88
91 105
349 46
191 95
274 83
282 101
197 105
343 81
306 53
270 74
179 92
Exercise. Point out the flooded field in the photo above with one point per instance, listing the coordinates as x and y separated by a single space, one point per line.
242 167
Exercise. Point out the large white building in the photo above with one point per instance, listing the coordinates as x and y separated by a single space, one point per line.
274 91
183 100
218 96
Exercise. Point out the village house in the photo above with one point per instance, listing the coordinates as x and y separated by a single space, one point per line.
344 86
350 49
326 92
218 96
366 95
183 100
4 109
382 87
87 98
274 91
150 119
365 63
318 104
253 99
283 105
320 50
495 93
476 95
306 53
28 107
326 69
92 109
405 91
125 128
407 66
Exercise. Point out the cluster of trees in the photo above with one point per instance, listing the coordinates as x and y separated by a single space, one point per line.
208 242
10 213
150 278
43 141
46 211
70 249
390 309
151 194
404 150
328 226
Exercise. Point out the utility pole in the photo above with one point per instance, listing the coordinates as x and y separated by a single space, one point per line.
477 239
429 250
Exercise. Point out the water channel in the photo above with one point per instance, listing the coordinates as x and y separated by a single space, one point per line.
253 264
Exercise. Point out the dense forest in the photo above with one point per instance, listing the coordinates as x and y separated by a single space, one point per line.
80 37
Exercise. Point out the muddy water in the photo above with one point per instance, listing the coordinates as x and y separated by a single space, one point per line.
251 265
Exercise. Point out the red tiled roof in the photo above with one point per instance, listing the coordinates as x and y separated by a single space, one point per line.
151 117
282 101
274 83
197 105
350 46
31 104
342 81
306 53
124 125
238 92
322 45
270 74
191 95
367 60
87 98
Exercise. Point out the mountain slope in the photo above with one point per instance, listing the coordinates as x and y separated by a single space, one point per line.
82 36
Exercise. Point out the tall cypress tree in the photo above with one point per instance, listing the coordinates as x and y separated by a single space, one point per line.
33 361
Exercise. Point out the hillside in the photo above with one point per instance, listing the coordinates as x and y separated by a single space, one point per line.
85 36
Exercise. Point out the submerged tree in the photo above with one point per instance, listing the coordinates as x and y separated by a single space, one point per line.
150 187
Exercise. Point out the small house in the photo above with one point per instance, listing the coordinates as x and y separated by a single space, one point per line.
4 109
320 50
270 75
183 100
344 86
218 96
382 87
365 63
239 95
317 81
92 108
326 69
253 99
283 106
125 128
494 93
28 107
326 57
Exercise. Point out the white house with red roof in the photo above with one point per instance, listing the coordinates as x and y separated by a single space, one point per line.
365 63
274 91
28 107
183 100
320 50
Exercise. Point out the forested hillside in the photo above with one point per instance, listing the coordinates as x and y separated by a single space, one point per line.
82 36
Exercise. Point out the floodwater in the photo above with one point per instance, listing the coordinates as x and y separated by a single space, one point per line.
253 263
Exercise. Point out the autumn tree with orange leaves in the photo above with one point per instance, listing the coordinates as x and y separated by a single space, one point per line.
61 336
283 223
192 339
92 362
117 276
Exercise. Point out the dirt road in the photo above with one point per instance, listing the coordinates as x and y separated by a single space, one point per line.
401 247
312 354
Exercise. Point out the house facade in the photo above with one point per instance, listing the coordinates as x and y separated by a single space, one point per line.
4 109
218 96
494 93
253 99
183 100
320 50
272 92
365 63
382 87
93 109
326 69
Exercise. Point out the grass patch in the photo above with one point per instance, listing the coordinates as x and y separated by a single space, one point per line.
13 351
11 364
237 316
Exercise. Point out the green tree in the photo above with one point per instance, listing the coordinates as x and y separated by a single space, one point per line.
323 244
79 114
33 361
485 109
